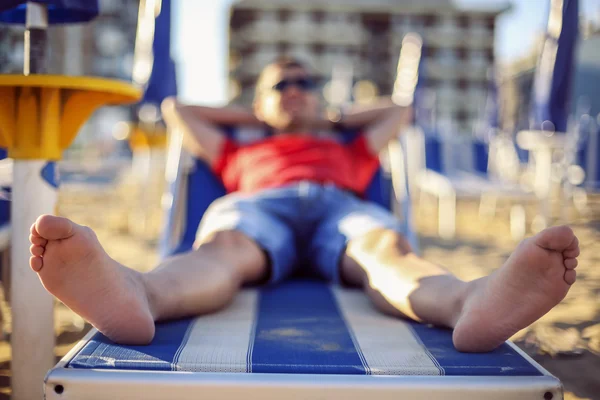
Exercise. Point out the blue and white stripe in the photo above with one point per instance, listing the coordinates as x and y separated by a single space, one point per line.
397 352
220 342
301 328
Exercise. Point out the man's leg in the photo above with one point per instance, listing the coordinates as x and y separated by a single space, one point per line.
123 303
484 312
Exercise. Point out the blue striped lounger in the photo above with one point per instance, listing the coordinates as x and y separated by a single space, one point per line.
301 340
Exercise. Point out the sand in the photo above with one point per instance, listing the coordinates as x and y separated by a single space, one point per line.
566 341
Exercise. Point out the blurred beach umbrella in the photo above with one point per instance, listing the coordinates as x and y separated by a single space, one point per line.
59 11
35 182
554 74
39 117
154 70
154 67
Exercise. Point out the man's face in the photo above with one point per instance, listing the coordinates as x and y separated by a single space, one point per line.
286 98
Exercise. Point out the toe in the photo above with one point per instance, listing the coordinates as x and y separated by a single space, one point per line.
570 276
572 253
37 240
36 250
574 244
54 228
34 231
573 250
570 263
558 238
36 263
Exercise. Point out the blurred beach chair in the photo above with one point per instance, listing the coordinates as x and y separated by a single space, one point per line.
562 168
304 339
193 187
577 170
452 168
5 187
5 228
587 156
506 170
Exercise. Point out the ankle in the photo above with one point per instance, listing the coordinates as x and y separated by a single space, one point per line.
464 294
152 293
462 291
440 299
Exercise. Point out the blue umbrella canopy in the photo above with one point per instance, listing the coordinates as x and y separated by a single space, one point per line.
59 11
163 82
554 74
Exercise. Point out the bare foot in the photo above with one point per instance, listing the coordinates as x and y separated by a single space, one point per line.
535 278
74 267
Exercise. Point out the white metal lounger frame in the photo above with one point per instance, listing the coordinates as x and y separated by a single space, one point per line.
87 384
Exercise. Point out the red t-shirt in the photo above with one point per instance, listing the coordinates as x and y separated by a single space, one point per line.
285 159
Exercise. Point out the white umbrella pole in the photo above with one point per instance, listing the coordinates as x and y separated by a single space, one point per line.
34 194
32 306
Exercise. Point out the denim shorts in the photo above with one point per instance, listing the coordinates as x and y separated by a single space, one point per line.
301 225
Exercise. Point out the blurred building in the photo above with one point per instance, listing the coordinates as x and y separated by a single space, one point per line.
458 46
11 49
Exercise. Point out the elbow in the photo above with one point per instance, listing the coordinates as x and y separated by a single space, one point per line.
170 108
399 116
404 115
409 114
169 104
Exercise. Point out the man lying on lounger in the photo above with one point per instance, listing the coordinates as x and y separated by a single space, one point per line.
297 195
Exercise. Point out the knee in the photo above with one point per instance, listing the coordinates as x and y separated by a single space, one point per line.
231 244
226 239
235 249
380 242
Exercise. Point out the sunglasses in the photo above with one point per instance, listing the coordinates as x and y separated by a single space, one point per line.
304 84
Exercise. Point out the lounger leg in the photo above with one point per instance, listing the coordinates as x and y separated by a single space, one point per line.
447 216
6 259
580 200
487 206
518 222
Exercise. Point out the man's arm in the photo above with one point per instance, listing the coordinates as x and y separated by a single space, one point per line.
381 122
201 135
